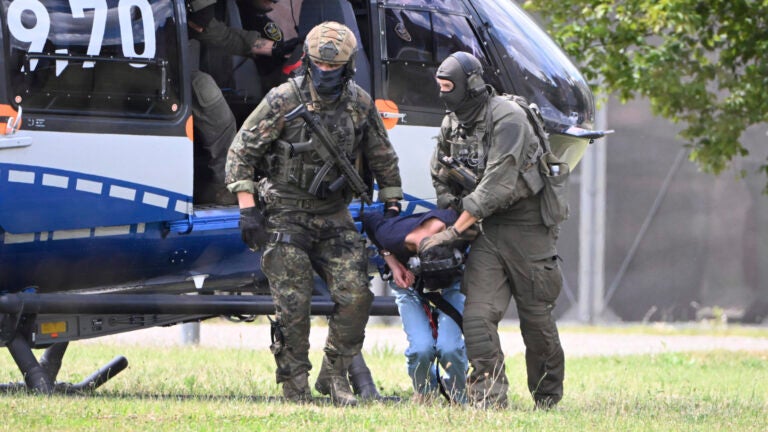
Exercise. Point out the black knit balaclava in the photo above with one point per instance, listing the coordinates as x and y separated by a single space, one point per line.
461 101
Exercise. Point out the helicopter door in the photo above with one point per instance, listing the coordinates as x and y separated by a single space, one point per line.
418 36
102 136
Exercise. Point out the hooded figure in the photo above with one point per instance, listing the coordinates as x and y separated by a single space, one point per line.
469 93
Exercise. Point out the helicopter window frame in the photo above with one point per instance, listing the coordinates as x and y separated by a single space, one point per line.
421 66
65 60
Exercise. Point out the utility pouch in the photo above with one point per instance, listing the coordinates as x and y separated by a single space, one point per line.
534 179
554 195
553 172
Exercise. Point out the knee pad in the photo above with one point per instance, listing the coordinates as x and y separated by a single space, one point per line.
479 337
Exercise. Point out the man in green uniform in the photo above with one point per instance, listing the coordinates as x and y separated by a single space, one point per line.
214 121
515 255
306 224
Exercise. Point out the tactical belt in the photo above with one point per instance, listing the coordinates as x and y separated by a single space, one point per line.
304 204
280 237
301 241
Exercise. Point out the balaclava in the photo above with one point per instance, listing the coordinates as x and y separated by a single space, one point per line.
468 96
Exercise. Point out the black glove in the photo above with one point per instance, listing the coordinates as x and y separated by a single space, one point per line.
392 209
252 228
282 48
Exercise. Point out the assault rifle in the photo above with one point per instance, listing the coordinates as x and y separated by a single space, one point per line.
332 156
458 173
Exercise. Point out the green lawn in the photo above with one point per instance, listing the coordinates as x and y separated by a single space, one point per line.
189 388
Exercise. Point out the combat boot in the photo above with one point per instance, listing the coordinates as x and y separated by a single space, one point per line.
332 380
362 381
296 389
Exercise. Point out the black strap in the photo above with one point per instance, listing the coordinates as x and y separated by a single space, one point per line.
439 301
534 119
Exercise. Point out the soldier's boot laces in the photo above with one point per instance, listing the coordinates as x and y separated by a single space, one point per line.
332 380
296 389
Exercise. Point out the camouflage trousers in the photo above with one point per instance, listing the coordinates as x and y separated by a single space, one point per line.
520 262
330 246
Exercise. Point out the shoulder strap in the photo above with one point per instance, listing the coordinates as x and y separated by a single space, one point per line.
487 136
534 117
295 84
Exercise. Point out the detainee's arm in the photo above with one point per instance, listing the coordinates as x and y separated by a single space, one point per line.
402 276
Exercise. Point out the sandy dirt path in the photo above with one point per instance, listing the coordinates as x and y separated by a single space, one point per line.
576 344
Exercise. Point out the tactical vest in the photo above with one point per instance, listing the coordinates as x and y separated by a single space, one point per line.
472 151
293 161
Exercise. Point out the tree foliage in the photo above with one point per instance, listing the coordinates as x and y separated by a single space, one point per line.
701 63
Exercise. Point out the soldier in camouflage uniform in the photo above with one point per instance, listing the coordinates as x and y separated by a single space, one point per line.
515 255
302 231
214 121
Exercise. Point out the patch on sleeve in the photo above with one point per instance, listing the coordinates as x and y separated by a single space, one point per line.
272 31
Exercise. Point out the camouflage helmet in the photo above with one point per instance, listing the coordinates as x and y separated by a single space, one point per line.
331 42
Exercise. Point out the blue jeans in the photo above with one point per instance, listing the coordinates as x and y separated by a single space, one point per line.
423 348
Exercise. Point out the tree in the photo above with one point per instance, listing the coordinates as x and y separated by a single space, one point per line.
701 63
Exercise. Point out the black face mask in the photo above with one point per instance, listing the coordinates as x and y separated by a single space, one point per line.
465 104
329 84
467 107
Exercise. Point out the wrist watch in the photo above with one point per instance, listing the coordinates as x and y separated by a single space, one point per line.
385 252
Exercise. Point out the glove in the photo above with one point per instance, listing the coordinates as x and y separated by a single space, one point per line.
252 228
392 209
282 48
445 237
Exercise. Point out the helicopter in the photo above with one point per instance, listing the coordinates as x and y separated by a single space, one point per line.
100 229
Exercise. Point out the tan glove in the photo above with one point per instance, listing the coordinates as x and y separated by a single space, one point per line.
446 237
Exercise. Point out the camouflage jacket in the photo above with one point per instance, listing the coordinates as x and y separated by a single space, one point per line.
259 147
499 162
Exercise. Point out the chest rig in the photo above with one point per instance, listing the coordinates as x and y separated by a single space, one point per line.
294 160
469 147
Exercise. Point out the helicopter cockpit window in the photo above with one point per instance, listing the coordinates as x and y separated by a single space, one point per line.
416 42
540 71
108 57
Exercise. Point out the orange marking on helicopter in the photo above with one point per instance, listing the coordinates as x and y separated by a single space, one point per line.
386 106
6 112
190 128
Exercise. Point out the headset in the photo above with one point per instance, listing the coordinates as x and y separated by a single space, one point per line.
475 81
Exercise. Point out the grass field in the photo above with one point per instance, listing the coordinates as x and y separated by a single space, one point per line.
193 388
